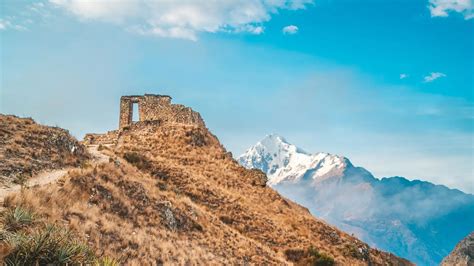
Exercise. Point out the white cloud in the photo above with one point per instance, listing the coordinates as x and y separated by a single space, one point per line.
257 30
8 25
441 8
403 76
434 76
181 18
290 29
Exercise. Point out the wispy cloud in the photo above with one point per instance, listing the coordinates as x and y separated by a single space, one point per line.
181 18
290 29
9 25
403 76
434 76
31 14
442 8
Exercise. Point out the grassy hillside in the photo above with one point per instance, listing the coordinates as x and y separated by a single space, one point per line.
27 148
170 193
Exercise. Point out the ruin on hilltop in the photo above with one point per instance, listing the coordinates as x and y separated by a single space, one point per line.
151 108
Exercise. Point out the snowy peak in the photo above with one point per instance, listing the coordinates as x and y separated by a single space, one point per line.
270 154
278 143
284 162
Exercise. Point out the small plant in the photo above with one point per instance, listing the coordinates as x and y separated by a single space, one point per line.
85 164
47 245
14 219
319 259
106 261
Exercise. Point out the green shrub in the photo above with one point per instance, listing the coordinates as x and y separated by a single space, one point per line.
320 259
14 219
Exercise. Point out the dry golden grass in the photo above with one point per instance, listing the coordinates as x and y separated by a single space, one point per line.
27 148
181 199
121 212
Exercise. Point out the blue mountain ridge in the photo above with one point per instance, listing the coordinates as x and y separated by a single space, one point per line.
417 220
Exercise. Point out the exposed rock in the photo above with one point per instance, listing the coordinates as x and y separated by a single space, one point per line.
167 215
463 253
258 177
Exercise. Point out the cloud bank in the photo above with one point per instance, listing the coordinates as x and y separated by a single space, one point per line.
182 19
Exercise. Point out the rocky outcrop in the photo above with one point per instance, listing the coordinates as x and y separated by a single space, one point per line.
463 253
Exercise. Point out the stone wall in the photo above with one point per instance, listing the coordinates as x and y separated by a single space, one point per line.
96 139
153 107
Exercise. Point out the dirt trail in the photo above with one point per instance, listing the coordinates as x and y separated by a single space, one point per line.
98 157
48 177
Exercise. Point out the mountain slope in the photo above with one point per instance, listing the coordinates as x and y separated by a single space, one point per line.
462 254
413 219
172 194
27 148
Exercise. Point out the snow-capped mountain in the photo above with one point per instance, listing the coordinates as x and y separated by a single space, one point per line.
413 219
283 162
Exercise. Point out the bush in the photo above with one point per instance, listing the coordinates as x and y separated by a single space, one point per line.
14 219
294 255
320 259
138 160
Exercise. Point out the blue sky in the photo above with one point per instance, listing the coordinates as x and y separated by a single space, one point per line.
389 84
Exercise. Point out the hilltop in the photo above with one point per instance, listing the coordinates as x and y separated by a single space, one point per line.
171 193
27 148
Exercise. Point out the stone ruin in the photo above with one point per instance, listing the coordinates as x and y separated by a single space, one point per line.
151 108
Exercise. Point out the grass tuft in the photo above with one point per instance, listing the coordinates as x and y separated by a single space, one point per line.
106 261
15 219
47 245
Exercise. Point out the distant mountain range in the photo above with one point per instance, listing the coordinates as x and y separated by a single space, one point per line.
413 219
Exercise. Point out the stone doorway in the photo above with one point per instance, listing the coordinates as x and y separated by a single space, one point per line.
135 113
